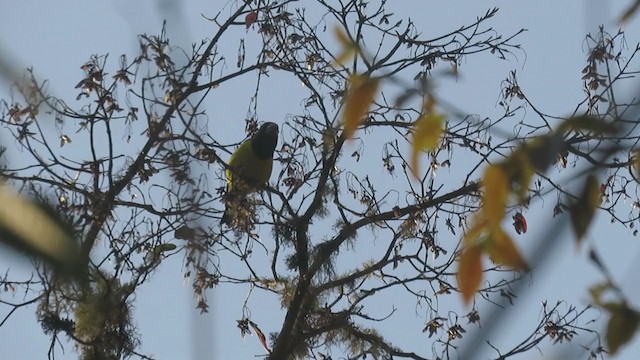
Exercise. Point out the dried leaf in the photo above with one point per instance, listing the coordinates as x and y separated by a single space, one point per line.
508 295
470 271
362 90
243 325
64 139
473 316
433 326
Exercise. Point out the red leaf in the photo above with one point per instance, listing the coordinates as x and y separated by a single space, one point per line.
603 188
519 223
250 19
263 339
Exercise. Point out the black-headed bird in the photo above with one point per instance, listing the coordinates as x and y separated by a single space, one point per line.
249 168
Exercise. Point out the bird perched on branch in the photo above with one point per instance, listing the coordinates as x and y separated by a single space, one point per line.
249 168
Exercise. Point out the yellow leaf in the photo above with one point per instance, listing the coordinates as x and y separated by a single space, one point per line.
503 251
428 130
348 47
496 192
470 271
584 208
426 136
621 326
362 90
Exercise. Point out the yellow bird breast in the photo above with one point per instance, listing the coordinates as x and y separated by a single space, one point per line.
247 172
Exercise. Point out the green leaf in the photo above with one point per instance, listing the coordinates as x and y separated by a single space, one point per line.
588 123
621 327
154 256
164 248
185 233
520 172
348 47
38 230
597 290
543 150
582 211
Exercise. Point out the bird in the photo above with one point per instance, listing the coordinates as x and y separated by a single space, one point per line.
249 168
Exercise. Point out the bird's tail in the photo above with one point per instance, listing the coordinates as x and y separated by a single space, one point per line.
225 220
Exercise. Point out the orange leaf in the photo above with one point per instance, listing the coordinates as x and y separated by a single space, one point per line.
470 271
426 136
362 90
503 251
496 191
